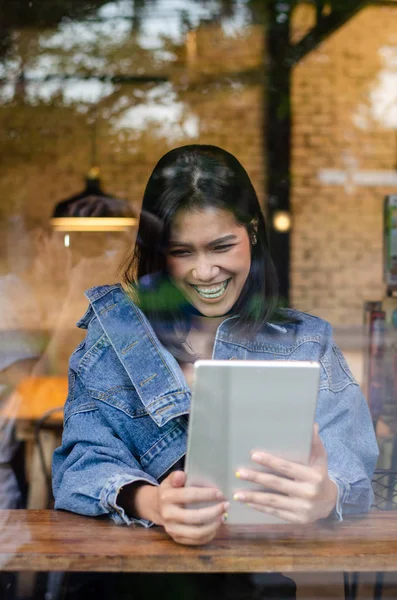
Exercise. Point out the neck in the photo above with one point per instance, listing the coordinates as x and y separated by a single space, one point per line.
207 324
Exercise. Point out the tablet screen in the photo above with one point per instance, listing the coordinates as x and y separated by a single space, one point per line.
241 406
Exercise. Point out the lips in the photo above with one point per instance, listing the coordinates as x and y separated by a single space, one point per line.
212 292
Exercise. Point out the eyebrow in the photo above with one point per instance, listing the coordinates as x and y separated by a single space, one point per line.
221 240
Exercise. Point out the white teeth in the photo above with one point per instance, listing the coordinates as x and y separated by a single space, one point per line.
212 292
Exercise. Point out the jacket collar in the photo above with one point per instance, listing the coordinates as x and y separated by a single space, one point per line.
154 372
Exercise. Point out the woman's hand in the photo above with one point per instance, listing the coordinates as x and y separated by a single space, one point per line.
297 493
191 526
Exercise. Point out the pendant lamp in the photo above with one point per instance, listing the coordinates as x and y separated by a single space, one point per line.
92 209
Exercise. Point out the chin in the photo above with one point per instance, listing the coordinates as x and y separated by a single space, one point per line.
213 311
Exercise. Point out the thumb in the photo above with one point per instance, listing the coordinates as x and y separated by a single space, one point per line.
177 479
318 453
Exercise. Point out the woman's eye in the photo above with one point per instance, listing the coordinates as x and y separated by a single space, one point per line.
223 248
179 252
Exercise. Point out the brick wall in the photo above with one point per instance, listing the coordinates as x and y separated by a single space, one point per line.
337 229
46 146
217 84
214 96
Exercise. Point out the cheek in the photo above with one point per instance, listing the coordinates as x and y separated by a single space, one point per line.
175 268
242 260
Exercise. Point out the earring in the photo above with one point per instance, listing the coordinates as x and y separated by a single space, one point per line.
254 239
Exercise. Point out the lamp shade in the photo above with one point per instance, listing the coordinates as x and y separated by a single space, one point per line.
93 210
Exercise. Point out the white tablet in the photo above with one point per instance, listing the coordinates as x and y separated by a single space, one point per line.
241 406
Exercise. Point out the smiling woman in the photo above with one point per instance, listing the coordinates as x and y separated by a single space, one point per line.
199 284
202 237
209 259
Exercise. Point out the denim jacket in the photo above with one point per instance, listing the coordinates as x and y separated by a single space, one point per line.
128 402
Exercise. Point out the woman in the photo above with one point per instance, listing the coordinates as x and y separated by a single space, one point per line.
200 284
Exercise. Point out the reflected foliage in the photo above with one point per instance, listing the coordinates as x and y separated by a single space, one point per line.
42 14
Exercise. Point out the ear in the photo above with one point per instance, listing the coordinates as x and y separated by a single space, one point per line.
252 230
254 226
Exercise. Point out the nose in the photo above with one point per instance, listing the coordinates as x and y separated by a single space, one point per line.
205 270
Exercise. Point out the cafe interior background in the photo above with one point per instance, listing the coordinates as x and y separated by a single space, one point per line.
303 93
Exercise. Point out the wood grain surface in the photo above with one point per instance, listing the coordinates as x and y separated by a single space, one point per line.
48 540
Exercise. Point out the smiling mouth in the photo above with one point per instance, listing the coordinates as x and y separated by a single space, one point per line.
212 292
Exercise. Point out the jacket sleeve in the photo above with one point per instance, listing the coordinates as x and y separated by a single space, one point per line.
347 432
92 465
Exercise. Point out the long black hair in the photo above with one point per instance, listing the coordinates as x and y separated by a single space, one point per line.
196 177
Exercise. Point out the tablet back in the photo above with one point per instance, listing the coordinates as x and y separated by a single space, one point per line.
241 406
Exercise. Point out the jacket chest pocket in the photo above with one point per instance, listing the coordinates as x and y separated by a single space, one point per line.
304 350
122 398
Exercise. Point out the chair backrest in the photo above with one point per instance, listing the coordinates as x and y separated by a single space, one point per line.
385 489
49 420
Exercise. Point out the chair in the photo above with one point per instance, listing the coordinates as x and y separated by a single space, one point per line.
44 423
385 490
55 580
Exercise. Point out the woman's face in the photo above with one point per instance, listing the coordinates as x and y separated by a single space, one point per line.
209 258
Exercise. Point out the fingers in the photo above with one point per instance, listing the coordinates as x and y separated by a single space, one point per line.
191 535
190 495
174 480
290 470
291 491
304 489
192 526
173 488
285 515
178 479
273 501
195 516
284 486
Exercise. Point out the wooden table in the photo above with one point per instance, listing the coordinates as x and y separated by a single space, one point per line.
34 396
59 541
30 401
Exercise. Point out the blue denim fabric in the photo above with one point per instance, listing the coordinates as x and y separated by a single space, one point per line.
128 402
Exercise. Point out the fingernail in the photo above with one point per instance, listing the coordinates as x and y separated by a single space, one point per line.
238 496
226 506
240 474
219 495
257 456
